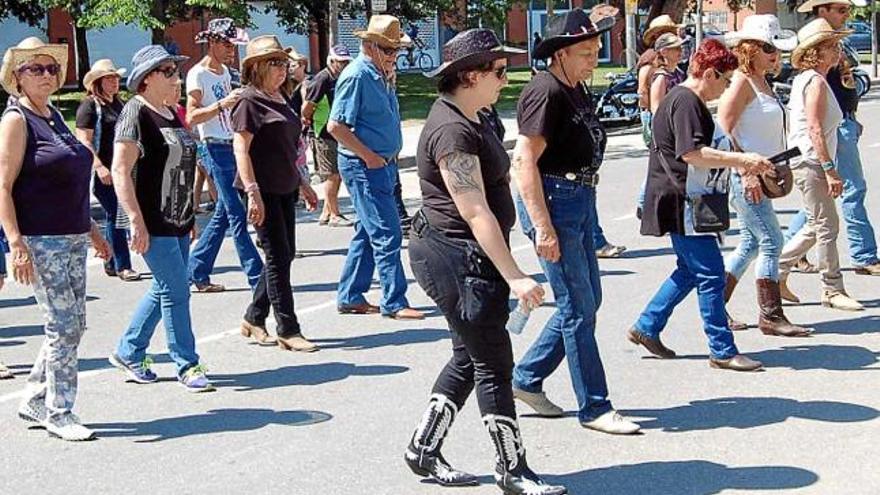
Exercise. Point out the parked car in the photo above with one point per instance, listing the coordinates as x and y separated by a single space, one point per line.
861 37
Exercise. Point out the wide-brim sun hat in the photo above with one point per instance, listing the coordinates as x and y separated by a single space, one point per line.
25 51
764 28
385 30
668 40
263 47
101 68
472 48
814 33
808 6
146 60
296 56
659 25
568 29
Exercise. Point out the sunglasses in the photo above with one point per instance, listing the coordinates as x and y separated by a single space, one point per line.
279 62
499 72
40 69
720 75
387 51
168 71
769 48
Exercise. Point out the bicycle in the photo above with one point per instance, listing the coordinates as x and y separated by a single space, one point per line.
409 60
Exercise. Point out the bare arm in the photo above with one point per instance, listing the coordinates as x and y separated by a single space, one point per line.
658 91
241 146
308 111
531 189
13 142
125 155
814 107
197 114
708 157
86 136
342 134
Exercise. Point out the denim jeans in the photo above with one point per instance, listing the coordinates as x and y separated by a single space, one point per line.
118 238
700 266
167 301
228 214
599 240
377 236
647 137
859 232
760 235
571 331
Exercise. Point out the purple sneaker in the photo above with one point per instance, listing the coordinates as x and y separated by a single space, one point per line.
195 380
137 372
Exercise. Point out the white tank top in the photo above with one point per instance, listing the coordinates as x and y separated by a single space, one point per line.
762 125
799 135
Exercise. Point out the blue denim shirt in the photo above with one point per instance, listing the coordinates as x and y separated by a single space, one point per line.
368 105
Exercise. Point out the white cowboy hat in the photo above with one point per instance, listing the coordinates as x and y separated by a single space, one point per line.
765 28
101 68
26 50
815 32
659 25
807 7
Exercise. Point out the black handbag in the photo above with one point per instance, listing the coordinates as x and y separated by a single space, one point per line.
710 213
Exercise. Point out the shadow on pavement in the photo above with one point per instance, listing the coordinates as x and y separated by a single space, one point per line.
747 412
853 326
397 338
818 357
213 421
21 331
647 253
684 478
17 302
306 374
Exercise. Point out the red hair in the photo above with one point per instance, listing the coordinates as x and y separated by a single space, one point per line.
712 54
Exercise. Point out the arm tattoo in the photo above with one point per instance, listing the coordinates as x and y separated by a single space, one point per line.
462 168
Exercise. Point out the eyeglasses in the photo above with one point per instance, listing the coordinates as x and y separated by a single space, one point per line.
769 48
727 80
279 62
500 72
387 51
168 71
40 69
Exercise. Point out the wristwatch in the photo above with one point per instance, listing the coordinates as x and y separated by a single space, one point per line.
828 166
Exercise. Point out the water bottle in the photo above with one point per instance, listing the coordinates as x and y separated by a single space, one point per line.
518 319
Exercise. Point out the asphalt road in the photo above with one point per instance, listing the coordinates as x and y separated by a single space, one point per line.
337 421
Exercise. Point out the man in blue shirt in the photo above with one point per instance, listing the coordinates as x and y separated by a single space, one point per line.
365 121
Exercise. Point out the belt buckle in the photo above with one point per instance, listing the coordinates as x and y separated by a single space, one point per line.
594 180
571 176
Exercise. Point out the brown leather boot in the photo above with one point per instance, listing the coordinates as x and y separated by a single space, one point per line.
730 284
772 320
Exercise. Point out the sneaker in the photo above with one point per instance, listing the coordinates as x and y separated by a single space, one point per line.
612 422
137 372
68 427
195 380
539 402
33 411
872 269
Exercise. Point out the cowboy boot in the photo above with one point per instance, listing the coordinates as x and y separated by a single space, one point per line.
512 473
729 284
772 320
423 455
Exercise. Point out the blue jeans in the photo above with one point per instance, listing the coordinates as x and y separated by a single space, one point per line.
760 235
700 266
4 248
228 214
571 331
166 300
377 236
118 238
647 136
859 232
599 240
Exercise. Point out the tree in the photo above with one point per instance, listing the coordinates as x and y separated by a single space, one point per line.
29 12
735 6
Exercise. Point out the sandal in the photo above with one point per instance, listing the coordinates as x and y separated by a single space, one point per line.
323 220
208 287
128 275
610 251
339 221
803 265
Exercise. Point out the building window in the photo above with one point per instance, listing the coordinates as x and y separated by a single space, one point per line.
718 20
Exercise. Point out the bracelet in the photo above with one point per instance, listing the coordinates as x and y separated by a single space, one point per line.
252 187
828 166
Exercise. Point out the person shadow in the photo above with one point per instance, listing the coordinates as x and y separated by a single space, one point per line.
303 375
819 357
693 477
852 326
21 331
397 338
213 421
747 412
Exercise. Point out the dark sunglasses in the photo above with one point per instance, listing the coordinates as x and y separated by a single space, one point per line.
500 72
387 51
40 69
279 62
167 71
769 48
720 75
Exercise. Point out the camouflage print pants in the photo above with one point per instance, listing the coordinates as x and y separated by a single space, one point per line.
60 290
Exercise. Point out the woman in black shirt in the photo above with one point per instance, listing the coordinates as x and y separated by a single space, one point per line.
460 256
96 127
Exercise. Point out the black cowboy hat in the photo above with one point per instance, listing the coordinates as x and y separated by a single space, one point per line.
471 48
569 28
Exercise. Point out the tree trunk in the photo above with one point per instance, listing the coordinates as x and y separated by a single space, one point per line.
157 10
323 40
368 8
82 46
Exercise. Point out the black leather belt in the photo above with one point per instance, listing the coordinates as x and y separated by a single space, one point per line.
585 179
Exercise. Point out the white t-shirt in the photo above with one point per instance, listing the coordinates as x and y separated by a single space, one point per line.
214 87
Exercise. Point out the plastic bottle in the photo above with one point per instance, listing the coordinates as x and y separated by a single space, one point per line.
518 319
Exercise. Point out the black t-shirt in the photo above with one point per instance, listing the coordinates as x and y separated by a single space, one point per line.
564 117
323 84
446 131
847 98
276 130
165 170
87 118
682 124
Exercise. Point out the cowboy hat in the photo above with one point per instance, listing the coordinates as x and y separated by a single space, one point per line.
659 25
471 48
567 29
263 47
25 51
146 60
764 28
809 5
384 30
339 52
815 32
668 40
101 68
223 29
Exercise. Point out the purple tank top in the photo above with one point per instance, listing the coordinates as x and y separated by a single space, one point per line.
51 193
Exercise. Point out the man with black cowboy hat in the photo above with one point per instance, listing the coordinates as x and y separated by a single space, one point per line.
859 231
365 121
556 160
209 102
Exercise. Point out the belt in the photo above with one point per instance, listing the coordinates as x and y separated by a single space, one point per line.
590 179
210 140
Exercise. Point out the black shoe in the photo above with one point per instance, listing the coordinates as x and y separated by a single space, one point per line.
512 472
423 455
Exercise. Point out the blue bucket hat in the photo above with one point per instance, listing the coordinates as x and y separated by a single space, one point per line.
146 60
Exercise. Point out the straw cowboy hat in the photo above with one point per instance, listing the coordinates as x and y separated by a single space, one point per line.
263 47
659 25
101 68
384 30
295 55
807 7
472 48
568 29
25 51
764 28
815 32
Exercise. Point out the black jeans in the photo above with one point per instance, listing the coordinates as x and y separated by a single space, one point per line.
473 297
278 237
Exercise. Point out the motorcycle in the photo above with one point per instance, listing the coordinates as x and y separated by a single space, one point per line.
619 104
781 83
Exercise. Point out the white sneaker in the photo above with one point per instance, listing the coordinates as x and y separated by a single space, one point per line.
33 411
612 422
68 427
539 402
